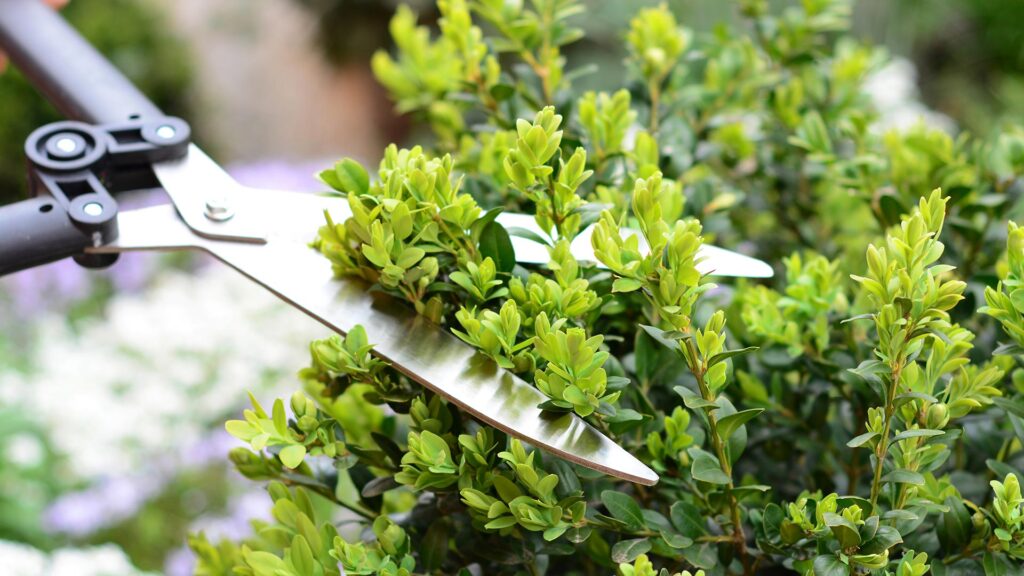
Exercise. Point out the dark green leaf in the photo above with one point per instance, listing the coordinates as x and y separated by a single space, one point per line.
677 541
694 401
687 520
707 469
625 415
886 537
904 476
378 486
528 234
622 507
1011 406
830 565
668 339
729 424
434 547
628 550
388 446
997 564
1000 468
495 243
502 92
482 222
954 526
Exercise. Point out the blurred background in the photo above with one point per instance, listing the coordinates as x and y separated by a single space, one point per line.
276 89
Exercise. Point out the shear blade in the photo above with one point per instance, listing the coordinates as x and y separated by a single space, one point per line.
714 261
423 351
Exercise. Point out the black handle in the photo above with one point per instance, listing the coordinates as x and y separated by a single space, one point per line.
72 75
35 232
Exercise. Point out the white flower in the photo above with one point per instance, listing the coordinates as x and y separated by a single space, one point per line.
24 451
22 560
160 369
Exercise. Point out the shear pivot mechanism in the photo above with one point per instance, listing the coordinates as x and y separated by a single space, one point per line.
75 168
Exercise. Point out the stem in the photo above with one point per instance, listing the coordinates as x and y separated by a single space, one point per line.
654 87
883 444
739 539
329 495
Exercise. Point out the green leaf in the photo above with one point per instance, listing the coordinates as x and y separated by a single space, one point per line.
528 234
495 242
623 507
729 424
352 177
626 285
844 530
677 541
433 548
502 92
885 538
240 429
1001 469
1011 406
628 550
830 565
954 526
686 518
707 469
555 406
669 339
861 439
997 564
904 476
917 433
723 356
389 447
693 401
378 486
280 421
292 455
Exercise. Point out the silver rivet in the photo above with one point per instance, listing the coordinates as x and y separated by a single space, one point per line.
218 209
93 209
166 132
66 145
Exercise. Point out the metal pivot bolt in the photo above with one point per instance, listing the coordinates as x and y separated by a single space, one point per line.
93 209
166 132
219 209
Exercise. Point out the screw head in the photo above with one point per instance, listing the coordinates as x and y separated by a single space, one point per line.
93 209
166 132
66 145
219 209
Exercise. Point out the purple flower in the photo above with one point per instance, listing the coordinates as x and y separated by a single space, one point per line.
281 175
110 501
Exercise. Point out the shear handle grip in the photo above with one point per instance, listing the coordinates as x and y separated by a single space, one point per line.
72 75
35 232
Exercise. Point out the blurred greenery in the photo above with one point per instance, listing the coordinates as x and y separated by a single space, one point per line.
134 36
969 53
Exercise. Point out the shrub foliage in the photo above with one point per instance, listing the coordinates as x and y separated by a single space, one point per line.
859 414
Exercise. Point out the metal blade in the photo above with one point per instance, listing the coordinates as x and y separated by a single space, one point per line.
425 352
716 261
